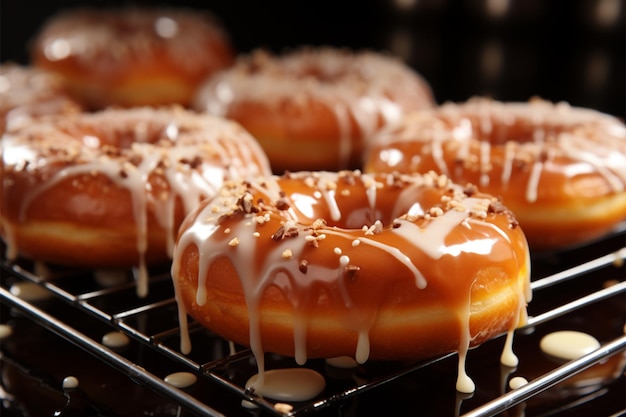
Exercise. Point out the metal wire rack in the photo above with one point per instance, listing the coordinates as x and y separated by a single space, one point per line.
586 279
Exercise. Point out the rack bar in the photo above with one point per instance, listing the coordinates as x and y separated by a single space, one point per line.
133 371
516 396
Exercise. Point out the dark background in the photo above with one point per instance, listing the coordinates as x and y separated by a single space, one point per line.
561 50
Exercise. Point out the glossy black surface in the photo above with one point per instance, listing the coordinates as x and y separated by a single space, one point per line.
35 360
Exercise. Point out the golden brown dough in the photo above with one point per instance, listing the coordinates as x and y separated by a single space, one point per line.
560 169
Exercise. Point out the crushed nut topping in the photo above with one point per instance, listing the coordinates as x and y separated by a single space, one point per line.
303 266
374 229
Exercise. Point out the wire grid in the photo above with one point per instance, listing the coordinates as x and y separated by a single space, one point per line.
226 366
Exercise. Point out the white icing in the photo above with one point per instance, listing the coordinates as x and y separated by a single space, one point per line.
593 140
5 331
225 151
258 274
292 384
517 382
362 89
70 382
112 37
568 344
29 291
115 340
344 362
110 277
181 379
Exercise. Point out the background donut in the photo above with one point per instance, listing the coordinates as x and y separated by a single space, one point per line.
559 50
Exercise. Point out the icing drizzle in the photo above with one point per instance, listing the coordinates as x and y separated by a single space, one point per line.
536 137
159 156
275 237
361 89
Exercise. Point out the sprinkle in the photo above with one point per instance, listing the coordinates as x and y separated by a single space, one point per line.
256 234
303 266
337 251
287 254
227 230
435 211
356 242
234 242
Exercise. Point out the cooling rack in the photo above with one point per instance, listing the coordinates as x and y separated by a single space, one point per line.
585 284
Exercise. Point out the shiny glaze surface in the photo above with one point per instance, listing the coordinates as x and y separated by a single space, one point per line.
105 54
553 165
348 254
26 92
315 108
110 188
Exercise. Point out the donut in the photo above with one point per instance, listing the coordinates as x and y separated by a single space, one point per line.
109 189
314 108
560 169
331 264
132 56
27 92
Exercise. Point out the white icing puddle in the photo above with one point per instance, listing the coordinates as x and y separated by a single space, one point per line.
70 382
115 340
5 331
343 362
29 291
568 344
517 382
181 379
291 384
110 277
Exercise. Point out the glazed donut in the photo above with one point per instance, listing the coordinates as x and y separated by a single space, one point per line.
109 189
314 108
132 56
27 92
328 264
560 169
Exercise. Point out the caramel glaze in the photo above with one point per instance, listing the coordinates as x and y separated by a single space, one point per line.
560 169
349 264
132 56
314 108
110 189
